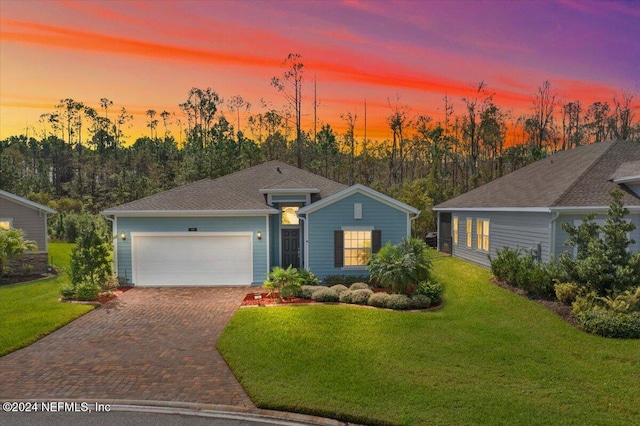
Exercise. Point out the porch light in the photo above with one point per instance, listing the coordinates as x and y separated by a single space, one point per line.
123 236
259 235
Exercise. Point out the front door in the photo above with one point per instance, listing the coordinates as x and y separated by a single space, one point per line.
291 247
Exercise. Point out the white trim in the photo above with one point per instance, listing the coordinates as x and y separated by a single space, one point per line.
455 230
627 179
26 202
468 232
488 235
289 191
305 225
344 246
357 228
116 237
189 213
361 189
134 235
493 209
268 242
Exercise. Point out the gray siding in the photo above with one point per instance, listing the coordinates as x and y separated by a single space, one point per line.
204 224
33 222
561 235
391 221
516 230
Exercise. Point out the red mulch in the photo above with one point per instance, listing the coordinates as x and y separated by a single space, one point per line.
117 292
274 299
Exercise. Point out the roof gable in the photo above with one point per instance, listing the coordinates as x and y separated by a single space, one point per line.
362 190
26 202
574 178
242 191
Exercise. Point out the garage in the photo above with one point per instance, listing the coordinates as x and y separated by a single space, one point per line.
192 259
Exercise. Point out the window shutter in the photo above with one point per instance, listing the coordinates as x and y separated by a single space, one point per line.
338 249
376 240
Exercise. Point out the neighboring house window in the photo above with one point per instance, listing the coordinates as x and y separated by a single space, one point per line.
6 223
289 216
482 231
455 230
469 232
354 247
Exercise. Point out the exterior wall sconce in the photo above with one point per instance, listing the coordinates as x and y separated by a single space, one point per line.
259 235
123 236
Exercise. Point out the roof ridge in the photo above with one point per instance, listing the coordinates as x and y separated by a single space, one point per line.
577 180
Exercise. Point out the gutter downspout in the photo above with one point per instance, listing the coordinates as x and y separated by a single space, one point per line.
411 219
552 237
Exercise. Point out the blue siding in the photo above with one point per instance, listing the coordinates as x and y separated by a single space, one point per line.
391 221
295 198
516 230
561 235
204 224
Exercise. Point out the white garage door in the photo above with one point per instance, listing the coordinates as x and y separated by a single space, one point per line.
203 259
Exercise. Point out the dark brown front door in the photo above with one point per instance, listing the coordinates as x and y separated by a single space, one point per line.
290 247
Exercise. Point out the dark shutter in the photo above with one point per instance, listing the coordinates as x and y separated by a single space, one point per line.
338 249
376 240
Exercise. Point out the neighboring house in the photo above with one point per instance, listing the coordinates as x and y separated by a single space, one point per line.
20 213
234 229
525 209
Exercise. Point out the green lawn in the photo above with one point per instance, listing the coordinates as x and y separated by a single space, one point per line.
487 357
29 311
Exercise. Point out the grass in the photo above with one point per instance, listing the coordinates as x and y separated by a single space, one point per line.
30 310
487 357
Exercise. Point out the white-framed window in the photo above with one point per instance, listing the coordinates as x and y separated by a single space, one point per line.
6 222
482 233
469 232
289 216
357 248
455 230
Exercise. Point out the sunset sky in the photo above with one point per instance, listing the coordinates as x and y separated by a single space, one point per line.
148 55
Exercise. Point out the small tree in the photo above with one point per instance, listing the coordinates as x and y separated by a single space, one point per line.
12 245
604 265
286 281
401 267
90 258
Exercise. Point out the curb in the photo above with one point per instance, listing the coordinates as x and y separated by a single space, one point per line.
281 418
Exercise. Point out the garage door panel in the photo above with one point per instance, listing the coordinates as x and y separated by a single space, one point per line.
179 260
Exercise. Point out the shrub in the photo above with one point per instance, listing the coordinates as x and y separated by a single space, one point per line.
325 294
431 288
584 302
330 280
609 323
87 291
361 296
379 300
12 245
506 264
27 270
359 286
339 288
287 281
308 277
398 302
345 296
420 301
519 269
566 292
626 301
68 292
91 256
401 267
306 291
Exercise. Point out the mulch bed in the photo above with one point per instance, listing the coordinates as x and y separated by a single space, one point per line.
559 308
274 299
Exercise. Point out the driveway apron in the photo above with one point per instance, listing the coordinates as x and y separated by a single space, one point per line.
154 344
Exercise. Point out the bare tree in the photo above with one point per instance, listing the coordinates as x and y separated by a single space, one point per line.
291 86
540 124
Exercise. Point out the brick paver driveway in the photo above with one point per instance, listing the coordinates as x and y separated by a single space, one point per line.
149 344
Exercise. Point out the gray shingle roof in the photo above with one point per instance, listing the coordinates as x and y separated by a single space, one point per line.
237 191
580 177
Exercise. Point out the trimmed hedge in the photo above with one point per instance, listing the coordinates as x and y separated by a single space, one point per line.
361 296
420 301
339 288
325 294
379 300
359 286
619 325
398 301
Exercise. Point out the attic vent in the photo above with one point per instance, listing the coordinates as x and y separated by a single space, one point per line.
357 210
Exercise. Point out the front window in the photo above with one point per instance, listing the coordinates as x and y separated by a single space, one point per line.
357 248
482 231
289 216
455 230
469 232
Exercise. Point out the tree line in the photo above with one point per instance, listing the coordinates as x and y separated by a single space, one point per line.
80 161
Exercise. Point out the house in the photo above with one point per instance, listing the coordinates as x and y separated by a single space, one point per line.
234 229
526 208
20 213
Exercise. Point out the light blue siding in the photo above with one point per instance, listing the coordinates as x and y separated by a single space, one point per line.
295 198
561 235
516 230
322 223
203 224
